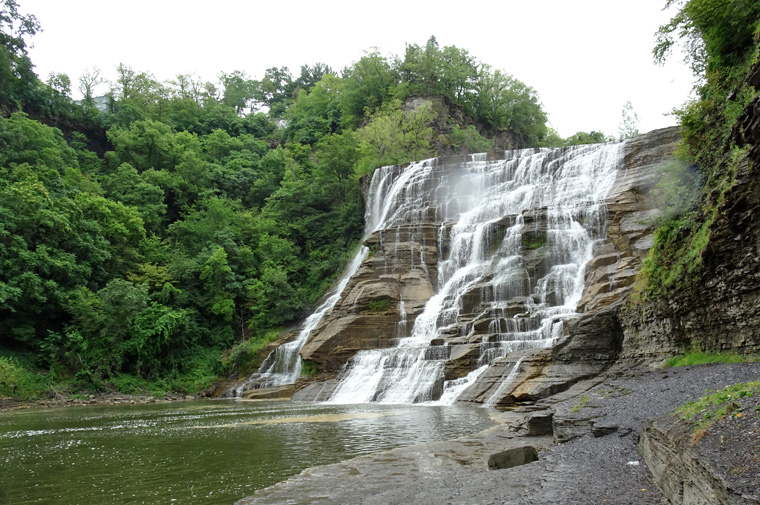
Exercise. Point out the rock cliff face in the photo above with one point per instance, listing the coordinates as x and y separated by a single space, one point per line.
368 316
595 339
382 301
719 311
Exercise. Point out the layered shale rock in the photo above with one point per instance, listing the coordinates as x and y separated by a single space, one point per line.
595 339
719 309
401 274
382 299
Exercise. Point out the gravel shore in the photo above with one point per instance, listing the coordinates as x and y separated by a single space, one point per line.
97 399
600 420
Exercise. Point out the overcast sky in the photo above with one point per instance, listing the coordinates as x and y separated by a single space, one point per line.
584 58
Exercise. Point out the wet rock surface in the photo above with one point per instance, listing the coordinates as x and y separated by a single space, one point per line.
596 462
384 298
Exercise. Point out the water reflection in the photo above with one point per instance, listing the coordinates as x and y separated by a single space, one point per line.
157 454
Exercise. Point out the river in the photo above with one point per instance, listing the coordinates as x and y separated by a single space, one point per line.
198 452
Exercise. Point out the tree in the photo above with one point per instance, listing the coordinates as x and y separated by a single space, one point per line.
720 45
716 33
367 84
14 27
594 137
629 124
126 186
148 144
55 235
394 135
219 282
158 334
60 83
337 157
17 79
468 140
239 91
311 75
315 113
140 89
275 90
422 68
505 103
460 73
88 83
189 87
101 326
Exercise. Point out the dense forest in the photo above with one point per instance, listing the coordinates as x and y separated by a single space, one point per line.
154 235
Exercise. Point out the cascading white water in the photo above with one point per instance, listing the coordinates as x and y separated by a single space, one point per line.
484 207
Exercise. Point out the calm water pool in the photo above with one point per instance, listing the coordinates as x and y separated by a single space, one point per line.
200 452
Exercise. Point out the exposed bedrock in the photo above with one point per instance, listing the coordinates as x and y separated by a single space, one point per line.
689 473
401 269
383 299
720 310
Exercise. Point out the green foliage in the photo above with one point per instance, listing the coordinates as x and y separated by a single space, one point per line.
579 138
469 139
394 135
308 368
710 409
678 191
629 124
379 305
245 357
450 72
719 36
19 379
367 84
16 76
128 187
10 377
675 259
315 113
699 357
581 404
505 103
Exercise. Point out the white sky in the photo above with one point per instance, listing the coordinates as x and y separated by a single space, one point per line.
584 58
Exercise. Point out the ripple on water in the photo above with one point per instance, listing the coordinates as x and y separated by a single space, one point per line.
198 452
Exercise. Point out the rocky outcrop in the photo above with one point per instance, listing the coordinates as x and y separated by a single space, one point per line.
690 468
383 299
720 310
631 219
595 339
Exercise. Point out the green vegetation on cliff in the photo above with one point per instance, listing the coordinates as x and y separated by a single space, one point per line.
721 42
163 241
699 357
712 408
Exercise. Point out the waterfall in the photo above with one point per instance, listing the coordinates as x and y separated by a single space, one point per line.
514 237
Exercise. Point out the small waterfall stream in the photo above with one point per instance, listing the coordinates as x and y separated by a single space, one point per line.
283 365
514 237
